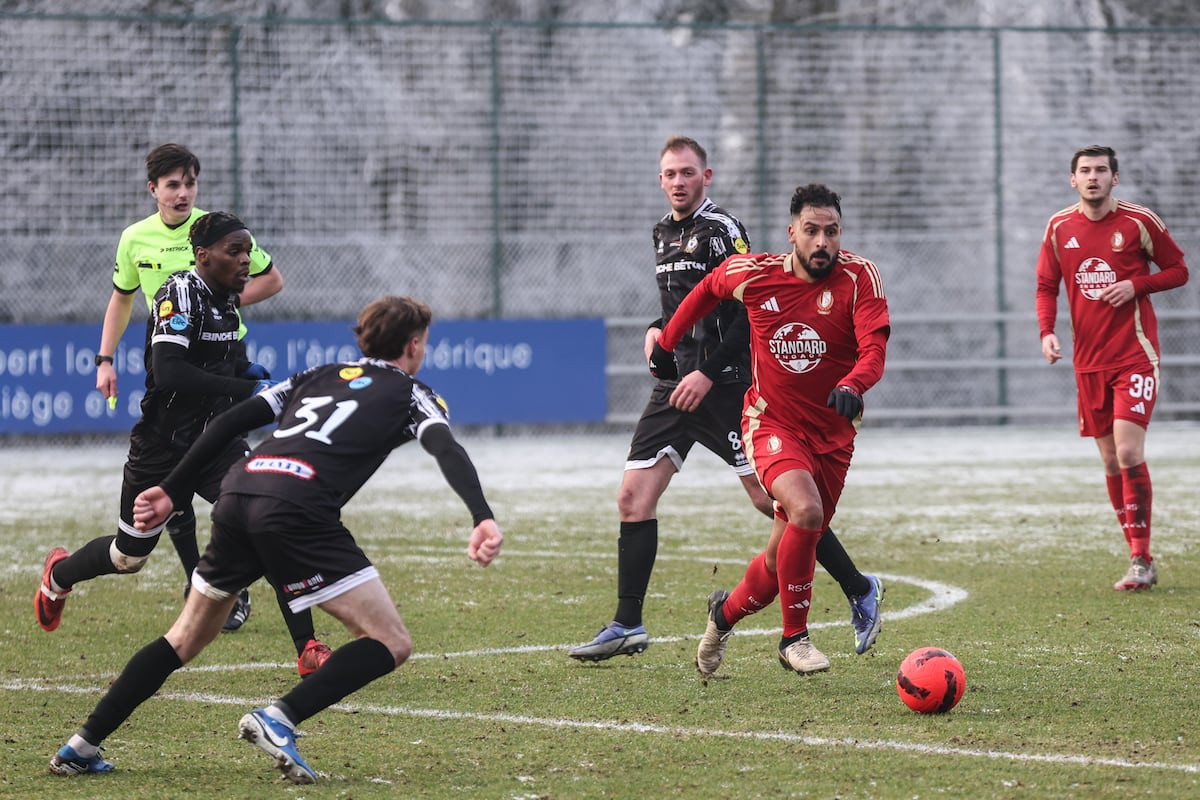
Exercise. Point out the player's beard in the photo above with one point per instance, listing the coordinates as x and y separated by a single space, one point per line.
817 273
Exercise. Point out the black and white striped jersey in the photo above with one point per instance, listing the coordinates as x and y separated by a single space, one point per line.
685 251
187 313
337 424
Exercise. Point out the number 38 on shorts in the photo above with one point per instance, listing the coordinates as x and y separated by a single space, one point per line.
1107 395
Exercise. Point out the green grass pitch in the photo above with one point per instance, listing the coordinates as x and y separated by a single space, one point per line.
996 544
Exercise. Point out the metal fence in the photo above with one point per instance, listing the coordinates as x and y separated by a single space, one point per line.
509 168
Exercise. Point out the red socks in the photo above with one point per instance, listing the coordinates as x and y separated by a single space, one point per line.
755 592
796 561
1137 494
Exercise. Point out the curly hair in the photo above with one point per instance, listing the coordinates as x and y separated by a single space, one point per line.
817 195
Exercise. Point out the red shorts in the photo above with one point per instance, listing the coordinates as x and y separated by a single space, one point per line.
775 449
1127 393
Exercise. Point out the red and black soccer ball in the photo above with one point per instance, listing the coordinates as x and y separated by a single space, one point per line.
931 680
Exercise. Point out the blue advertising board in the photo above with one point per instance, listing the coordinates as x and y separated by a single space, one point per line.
488 371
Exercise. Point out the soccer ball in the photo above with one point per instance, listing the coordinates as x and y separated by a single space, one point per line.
931 680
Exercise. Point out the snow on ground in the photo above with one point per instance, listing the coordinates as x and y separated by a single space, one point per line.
86 475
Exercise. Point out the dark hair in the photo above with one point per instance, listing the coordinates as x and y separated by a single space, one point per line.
168 158
387 325
212 228
680 142
817 195
1095 150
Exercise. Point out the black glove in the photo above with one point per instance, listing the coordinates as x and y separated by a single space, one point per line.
662 364
845 401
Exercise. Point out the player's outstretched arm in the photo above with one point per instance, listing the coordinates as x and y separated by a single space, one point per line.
485 542
456 467
222 429
151 508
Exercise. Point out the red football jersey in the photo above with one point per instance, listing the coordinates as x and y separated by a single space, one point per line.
805 338
1092 255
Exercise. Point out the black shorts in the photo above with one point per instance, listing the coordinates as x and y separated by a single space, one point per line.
149 461
664 431
312 558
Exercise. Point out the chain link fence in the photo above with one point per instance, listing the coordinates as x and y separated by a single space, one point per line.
508 169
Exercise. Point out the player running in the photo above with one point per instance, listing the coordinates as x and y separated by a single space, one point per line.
195 369
279 515
701 406
149 252
818 337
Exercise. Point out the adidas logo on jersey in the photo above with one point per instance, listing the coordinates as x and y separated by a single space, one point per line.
1071 244
770 305
1140 408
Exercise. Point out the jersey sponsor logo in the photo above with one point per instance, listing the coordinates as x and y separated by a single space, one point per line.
212 336
1118 241
680 266
740 245
280 465
360 383
166 309
825 302
178 322
770 305
1093 277
1072 244
350 373
797 347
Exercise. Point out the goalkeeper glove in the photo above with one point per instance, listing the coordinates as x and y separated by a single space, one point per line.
846 401
662 364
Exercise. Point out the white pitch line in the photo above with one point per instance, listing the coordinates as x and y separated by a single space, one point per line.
942 596
609 726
